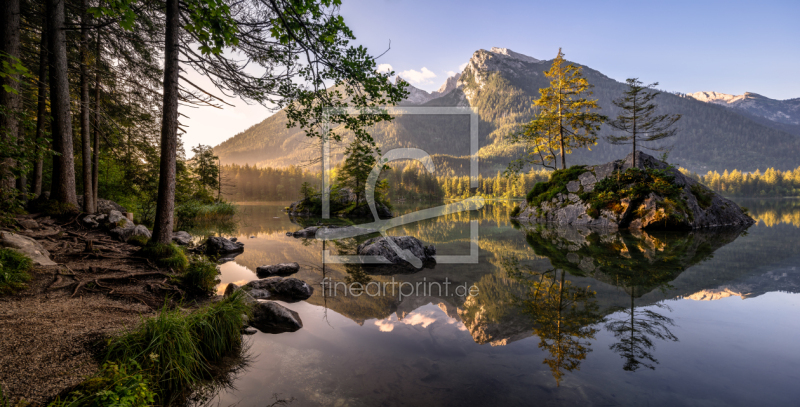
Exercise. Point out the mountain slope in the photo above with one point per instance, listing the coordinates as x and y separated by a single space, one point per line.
780 114
502 85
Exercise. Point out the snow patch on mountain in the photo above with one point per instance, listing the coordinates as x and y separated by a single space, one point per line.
516 55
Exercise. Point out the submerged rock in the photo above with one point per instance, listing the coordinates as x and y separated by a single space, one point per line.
28 247
221 245
279 288
686 205
282 269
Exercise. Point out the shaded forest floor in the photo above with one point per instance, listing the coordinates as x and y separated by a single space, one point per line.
52 332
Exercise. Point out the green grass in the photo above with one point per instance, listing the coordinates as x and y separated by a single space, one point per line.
14 268
166 255
190 213
201 275
176 348
138 240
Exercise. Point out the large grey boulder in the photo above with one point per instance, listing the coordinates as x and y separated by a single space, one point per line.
182 238
116 219
379 246
28 247
308 232
698 207
104 206
271 317
221 245
282 269
279 288
91 221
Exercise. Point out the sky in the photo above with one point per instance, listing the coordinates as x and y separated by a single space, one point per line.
687 46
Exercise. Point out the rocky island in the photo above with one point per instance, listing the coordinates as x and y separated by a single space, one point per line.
618 195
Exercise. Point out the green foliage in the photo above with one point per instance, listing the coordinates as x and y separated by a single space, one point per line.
638 121
545 191
166 255
14 268
138 240
176 348
119 384
704 197
357 166
201 275
212 25
515 212
117 9
217 327
190 213
565 119
205 169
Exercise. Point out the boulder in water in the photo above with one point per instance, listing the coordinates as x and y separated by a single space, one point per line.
271 317
221 245
282 269
279 288
379 246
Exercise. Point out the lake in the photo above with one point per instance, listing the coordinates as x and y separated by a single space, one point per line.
545 316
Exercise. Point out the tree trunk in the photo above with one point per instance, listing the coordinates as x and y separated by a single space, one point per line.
165 207
86 142
9 44
96 148
63 180
22 180
41 111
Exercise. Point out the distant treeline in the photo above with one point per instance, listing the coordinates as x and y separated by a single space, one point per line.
414 183
770 183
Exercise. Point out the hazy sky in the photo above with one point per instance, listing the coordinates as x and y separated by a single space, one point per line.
687 46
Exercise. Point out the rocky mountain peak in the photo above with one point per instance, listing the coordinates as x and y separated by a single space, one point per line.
516 55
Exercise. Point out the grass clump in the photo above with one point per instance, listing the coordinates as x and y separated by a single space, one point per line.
546 191
192 212
704 196
138 240
176 348
14 268
116 384
166 255
201 275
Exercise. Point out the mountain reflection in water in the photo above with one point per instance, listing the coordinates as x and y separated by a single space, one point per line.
562 316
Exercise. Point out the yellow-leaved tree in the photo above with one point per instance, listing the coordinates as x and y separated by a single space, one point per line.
565 119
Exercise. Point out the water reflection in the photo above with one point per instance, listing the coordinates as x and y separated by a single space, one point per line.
563 315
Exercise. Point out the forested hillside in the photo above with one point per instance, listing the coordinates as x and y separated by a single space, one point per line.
502 88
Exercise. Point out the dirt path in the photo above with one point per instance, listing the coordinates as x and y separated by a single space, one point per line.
51 333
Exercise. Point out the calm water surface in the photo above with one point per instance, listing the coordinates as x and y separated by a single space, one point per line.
561 317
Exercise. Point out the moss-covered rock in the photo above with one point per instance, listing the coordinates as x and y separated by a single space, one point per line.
651 195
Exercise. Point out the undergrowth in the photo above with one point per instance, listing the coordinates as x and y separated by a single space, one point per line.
175 349
201 275
14 268
546 191
635 185
704 196
166 255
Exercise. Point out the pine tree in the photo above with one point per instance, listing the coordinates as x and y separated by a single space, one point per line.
356 168
565 119
638 119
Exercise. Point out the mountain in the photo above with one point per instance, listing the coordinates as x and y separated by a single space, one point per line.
502 85
780 114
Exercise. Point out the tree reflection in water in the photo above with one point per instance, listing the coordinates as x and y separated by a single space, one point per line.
563 315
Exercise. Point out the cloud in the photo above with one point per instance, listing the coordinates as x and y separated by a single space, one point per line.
418 77
450 73
462 66
384 68
385 325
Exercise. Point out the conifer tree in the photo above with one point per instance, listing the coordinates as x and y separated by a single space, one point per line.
638 120
565 118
